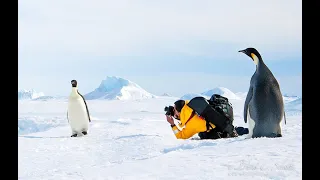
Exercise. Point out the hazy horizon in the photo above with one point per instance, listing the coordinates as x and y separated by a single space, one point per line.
165 47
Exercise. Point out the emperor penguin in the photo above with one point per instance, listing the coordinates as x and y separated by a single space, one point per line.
78 112
263 107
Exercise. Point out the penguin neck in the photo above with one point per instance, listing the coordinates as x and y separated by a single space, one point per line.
262 69
258 62
74 92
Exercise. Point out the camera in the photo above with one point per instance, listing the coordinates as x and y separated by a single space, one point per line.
169 110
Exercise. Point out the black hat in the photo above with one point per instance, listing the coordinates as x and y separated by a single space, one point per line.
179 105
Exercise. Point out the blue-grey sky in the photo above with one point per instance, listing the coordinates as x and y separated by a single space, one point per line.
177 47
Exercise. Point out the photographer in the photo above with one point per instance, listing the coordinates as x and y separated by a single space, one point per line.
191 124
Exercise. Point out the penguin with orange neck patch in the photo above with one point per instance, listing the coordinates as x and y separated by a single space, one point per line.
78 112
264 107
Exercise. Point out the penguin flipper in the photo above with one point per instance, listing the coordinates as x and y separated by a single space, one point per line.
246 103
85 103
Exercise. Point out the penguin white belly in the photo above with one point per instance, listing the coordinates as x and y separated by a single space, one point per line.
77 115
251 124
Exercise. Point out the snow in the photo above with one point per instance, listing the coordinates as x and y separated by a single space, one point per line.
118 88
132 140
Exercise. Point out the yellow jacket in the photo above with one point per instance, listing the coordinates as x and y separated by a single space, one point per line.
189 128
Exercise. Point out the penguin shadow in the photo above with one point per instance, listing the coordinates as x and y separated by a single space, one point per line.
44 137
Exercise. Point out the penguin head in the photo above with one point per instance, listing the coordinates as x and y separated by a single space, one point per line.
253 54
74 83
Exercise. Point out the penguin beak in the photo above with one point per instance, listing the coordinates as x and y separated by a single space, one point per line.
246 53
243 51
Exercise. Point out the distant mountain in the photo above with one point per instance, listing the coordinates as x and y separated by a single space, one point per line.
165 94
207 94
192 95
221 91
29 94
113 88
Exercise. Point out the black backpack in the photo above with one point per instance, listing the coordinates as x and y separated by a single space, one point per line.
217 110
222 105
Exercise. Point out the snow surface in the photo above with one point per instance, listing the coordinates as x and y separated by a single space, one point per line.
118 88
132 140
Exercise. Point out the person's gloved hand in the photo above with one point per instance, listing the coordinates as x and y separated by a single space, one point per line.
170 120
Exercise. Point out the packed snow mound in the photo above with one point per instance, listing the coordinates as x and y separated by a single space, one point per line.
192 95
47 98
29 94
116 88
289 98
221 91
33 124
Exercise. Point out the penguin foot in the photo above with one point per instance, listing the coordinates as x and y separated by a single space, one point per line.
74 135
274 135
84 132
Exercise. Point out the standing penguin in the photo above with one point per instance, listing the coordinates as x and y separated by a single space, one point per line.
78 113
264 102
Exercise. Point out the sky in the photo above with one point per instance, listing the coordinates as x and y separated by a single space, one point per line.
173 47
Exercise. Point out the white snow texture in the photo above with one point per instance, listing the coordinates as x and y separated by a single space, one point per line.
132 140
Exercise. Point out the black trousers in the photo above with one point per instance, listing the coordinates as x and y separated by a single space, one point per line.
215 134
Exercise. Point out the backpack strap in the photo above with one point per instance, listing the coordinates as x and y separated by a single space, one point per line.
207 122
192 114
208 125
